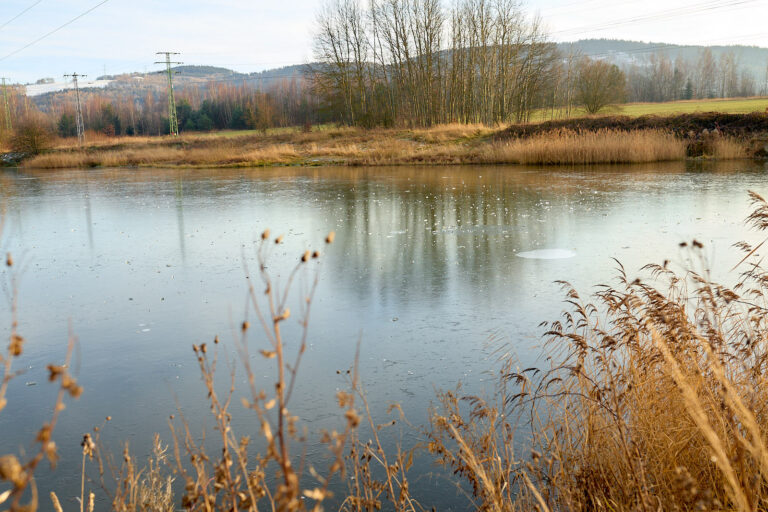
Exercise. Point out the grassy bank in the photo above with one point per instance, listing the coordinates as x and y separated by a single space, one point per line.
579 141
668 108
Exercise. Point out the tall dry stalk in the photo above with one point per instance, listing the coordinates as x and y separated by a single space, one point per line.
233 478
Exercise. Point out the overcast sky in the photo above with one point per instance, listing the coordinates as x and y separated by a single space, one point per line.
252 35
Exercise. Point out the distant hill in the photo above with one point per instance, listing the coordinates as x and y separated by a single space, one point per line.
621 52
751 58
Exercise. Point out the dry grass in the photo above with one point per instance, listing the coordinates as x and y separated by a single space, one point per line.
728 148
440 145
454 132
567 147
656 400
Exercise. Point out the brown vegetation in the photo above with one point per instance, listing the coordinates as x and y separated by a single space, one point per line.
566 147
683 125
31 137
439 145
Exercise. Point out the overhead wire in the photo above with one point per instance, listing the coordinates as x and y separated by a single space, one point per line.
667 14
48 34
22 13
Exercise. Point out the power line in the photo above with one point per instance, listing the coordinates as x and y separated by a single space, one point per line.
671 13
22 13
54 30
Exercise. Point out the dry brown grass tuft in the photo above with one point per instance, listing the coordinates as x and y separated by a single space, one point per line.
453 132
728 148
567 147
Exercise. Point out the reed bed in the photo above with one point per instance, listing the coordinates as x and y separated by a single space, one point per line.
439 145
728 148
566 147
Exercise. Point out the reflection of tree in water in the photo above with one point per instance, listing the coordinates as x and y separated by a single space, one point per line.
415 242
430 228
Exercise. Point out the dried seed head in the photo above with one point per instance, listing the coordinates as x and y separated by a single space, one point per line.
15 348
55 501
109 418
246 325
279 240
88 445
11 470
203 348
305 257
216 340
352 418
44 434
315 255
54 372
331 236
8 260
265 234
50 453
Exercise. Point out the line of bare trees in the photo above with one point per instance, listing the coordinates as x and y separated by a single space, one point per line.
660 78
412 62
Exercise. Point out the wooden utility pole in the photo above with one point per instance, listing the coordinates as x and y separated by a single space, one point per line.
79 112
173 119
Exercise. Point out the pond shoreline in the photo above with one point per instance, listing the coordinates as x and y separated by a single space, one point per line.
597 140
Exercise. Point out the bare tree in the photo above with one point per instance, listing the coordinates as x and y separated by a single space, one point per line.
599 84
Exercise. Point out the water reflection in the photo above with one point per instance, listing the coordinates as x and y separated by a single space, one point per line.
146 262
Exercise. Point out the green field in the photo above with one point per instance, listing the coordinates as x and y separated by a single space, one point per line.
730 105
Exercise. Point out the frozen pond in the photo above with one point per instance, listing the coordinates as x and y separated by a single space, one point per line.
428 265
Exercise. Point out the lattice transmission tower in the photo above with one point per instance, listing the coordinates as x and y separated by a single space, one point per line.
79 111
173 119
8 124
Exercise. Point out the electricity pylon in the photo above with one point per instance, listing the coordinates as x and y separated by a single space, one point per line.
79 112
8 125
173 119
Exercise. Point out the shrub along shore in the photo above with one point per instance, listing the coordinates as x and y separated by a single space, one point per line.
590 140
